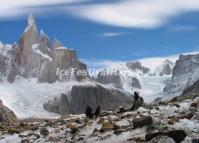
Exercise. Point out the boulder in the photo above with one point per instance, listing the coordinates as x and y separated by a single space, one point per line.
108 126
93 95
107 99
7 116
44 131
58 105
176 135
142 121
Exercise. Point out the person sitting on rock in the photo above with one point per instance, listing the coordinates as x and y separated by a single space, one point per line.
137 101
88 112
97 111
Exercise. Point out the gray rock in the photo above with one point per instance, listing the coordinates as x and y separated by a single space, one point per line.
162 139
185 74
7 116
83 95
106 78
165 69
44 131
136 83
107 99
2 66
14 63
176 135
142 121
59 105
190 92
137 66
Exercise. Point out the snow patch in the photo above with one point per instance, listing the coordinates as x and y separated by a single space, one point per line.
36 50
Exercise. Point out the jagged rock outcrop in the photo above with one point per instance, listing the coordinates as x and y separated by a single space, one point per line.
63 59
2 66
7 116
136 83
57 44
60 105
190 92
108 78
108 99
92 95
29 37
165 69
135 66
5 51
185 74
35 56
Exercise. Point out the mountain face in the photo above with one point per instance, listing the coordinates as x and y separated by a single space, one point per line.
107 78
185 74
92 94
190 92
34 68
34 56
165 68
136 66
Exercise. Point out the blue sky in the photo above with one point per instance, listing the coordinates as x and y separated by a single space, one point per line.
109 29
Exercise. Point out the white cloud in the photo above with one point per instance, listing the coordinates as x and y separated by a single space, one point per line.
136 13
110 34
12 8
183 28
114 34
122 13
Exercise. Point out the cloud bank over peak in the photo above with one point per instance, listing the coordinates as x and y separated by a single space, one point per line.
13 8
136 13
145 14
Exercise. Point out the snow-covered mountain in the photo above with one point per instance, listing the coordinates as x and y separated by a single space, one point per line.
30 78
30 86
139 76
185 74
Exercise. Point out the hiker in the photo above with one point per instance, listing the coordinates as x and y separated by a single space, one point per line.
136 99
97 111
88 112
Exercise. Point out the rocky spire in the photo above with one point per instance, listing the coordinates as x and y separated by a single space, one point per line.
28 38
31 23
57 43
31 20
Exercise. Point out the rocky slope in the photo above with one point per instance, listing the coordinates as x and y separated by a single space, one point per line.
7 116
160 122
185 74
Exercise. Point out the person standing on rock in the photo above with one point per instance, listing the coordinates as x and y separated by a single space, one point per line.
88 112
137 101
97 111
